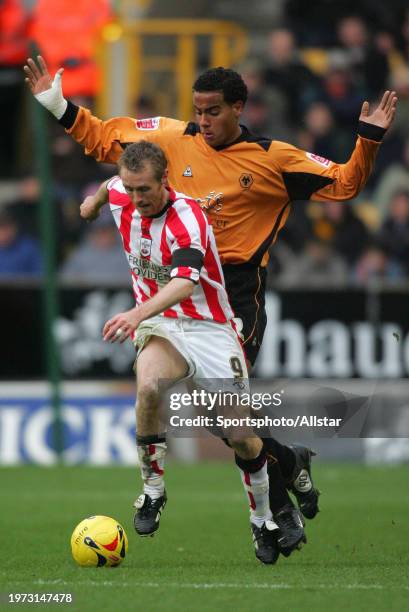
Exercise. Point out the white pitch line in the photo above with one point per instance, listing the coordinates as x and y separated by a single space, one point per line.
220 585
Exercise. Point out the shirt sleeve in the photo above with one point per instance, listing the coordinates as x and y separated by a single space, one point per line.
115 180
308 176
117 197
106 140
187 263
189 228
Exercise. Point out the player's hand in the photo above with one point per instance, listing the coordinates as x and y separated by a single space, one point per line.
37 76
47 91
383 114
90 209
121 326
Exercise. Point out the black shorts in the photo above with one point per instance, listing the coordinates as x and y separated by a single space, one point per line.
246 287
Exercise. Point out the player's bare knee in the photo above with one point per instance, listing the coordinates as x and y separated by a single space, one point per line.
148 393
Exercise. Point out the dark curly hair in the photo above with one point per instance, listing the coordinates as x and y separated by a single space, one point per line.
225 80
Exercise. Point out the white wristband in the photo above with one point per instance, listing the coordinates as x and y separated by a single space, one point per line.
52 99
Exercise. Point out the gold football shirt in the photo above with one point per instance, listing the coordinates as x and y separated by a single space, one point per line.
246 187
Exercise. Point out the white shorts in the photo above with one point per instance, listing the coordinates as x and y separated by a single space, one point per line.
211 350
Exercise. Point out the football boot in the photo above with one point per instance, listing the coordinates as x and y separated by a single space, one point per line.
148 513
265 542
291 535
301 483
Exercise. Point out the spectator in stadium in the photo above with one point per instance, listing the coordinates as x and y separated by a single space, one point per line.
341 93
257 115
144 107
252 72
389 45
67 33
71 175
99 257
340 227
391 153
20 255
22 198
69 168
13 53
317 266
265 107
367 61
395 178
297 230
286 72
26 189
315 22
321 134
376 265
394 233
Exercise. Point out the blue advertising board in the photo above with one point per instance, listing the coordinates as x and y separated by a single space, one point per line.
98 425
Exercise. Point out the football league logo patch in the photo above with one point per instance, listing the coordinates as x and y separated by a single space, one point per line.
146 247
322 161
148 124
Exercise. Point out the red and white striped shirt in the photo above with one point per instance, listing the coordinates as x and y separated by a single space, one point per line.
155 248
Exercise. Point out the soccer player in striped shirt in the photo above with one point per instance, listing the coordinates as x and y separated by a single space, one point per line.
247 185
181 325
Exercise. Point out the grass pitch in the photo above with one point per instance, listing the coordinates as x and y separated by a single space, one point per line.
357 557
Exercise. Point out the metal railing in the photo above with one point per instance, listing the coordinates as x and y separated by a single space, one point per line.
126 65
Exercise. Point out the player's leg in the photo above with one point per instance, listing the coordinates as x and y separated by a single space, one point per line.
300 481
295 466
289 467
217 354
273 532
252 462
159 360
285 514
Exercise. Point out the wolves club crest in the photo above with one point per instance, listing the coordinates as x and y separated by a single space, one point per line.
146 246
246 181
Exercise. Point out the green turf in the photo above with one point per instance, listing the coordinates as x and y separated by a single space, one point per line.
357 557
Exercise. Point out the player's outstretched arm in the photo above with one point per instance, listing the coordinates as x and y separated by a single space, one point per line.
47 91
311 177
91 206
104 140
177 290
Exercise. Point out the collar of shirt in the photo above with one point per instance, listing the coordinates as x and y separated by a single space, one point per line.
170 201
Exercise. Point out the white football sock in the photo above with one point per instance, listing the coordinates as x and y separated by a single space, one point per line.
152 462
256 487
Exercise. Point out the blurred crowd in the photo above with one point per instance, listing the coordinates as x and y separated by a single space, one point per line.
307 88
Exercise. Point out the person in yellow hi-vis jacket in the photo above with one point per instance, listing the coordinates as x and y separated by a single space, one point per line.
246 184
